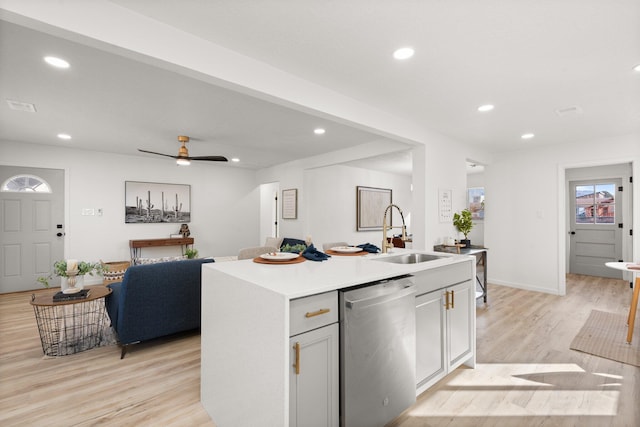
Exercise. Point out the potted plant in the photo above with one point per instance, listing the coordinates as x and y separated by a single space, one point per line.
463 223
82 267
191 253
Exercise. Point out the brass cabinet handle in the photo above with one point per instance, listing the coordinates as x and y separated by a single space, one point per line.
297 364
449 305
317 313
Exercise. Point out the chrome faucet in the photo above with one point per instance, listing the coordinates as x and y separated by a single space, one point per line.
386 244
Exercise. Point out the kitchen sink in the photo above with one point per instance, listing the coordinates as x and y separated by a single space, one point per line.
410 258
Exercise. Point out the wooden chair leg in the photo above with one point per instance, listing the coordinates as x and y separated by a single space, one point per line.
633 309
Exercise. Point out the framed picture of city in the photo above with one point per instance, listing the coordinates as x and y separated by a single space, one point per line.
153 202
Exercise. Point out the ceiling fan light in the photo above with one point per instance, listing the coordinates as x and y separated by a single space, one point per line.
183 162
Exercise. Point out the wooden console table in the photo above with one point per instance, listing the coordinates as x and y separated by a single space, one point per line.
136 245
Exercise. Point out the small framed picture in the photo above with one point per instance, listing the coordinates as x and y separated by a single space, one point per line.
290 203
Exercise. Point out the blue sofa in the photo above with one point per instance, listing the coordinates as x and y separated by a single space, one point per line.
155 300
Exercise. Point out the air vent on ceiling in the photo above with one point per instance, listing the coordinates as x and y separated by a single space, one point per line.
21 106
569 111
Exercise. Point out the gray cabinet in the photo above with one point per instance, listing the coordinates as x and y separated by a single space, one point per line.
314 373
445 322
460 324
430 338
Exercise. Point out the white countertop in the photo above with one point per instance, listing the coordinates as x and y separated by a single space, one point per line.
313 277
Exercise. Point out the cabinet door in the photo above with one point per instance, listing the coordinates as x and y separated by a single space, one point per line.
430 339
460 323
313 387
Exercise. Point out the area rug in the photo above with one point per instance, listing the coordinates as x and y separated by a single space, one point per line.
605 335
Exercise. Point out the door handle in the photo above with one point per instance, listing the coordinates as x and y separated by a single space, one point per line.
572 232
59 234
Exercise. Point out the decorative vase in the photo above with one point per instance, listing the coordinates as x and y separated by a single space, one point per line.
64 283
466 242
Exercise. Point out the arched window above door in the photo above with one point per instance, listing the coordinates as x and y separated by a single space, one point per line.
25 184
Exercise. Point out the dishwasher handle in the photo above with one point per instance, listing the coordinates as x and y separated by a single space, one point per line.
367 302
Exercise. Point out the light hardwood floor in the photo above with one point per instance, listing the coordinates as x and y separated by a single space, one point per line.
526 373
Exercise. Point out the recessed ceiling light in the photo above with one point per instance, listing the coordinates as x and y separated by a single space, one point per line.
403 53
21 106
64 136
235 159
637 68
486 107
527 136
56 62
319 131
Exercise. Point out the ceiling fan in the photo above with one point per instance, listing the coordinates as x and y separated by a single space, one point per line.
183 158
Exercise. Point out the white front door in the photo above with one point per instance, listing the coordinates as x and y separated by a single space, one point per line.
596 237
32 233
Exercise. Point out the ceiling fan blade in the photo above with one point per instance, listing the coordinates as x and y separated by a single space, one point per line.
159 154
210 158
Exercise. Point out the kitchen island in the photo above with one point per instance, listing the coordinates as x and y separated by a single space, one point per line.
247 324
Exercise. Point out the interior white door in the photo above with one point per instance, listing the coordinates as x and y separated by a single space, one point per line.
595 234
32 232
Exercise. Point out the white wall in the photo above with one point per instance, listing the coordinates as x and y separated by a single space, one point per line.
268 193
525 211
444 164
440 164
224 200
331 206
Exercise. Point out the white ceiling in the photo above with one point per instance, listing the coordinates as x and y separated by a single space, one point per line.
528 58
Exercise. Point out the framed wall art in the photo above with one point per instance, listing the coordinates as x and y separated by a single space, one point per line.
290 203
153 202
370 205
445 205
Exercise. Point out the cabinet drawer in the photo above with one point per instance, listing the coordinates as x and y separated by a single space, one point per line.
312 312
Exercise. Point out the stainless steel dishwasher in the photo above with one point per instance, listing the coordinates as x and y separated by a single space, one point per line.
377 352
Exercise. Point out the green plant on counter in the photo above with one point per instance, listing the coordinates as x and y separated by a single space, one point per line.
293 248
191 253
462 221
